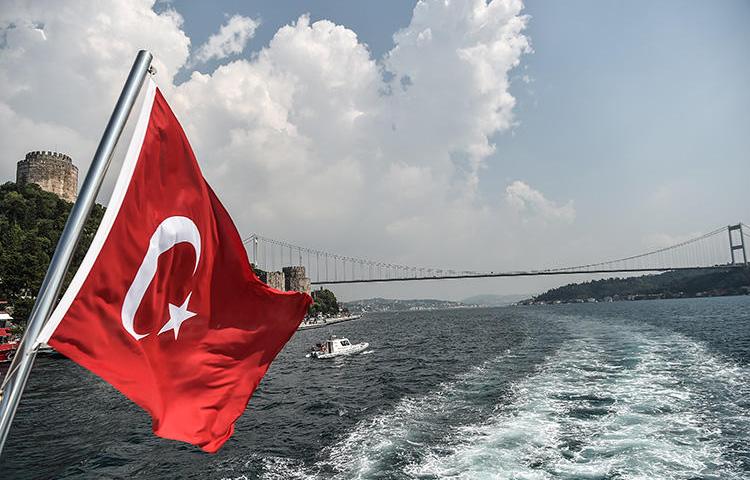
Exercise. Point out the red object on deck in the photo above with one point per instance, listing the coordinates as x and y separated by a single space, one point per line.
7 346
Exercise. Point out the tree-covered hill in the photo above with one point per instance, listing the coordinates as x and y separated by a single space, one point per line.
729 281
324 302
31 221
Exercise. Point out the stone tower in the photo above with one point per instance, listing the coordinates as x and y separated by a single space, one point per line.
276 280
53 172
295 279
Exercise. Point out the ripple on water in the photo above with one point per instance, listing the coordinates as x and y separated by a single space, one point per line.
613 402
396 437
591 391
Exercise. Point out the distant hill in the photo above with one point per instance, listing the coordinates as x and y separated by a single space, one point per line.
678 284
493 300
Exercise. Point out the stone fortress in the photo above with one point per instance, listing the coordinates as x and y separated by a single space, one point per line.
295 279
289 279
53 172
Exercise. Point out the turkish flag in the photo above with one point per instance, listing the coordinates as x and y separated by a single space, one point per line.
165 306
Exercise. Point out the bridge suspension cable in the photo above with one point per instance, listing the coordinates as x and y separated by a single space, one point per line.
324 267
701 252
694 252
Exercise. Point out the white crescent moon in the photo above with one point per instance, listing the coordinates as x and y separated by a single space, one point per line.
169 233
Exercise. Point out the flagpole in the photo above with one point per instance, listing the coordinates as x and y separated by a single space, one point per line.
45 300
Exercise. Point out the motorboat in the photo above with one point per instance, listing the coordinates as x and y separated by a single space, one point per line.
335 347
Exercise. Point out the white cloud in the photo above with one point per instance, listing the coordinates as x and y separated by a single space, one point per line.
532 203
231 39
310 139
60 86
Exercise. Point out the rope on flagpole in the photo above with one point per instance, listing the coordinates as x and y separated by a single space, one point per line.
12 370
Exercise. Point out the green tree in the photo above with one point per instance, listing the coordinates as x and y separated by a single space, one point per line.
324 301
31 221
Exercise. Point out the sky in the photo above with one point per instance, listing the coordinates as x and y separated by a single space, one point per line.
465 135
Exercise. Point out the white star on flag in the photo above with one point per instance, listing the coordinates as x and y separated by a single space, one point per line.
177 315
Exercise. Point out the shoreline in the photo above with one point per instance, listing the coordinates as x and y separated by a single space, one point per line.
328 322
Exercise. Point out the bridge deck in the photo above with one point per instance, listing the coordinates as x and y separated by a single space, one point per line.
525 274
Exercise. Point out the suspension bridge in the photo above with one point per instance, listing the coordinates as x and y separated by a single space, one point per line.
723 247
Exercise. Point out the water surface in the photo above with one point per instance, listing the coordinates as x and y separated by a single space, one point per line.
655 389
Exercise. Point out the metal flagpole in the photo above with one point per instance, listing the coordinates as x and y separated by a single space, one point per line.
21 366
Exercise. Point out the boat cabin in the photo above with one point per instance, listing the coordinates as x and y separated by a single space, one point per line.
335 345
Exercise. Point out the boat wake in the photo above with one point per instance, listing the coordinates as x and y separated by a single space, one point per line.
268 468
614 401
397 437
614 404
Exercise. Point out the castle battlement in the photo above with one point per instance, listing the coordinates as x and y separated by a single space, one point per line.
46 154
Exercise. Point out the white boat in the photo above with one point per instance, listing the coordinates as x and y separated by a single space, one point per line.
335 347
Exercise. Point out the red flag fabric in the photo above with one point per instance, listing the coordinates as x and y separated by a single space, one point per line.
165 306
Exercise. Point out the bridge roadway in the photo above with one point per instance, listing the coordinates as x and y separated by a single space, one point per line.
532 273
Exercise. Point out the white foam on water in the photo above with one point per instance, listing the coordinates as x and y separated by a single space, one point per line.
271 468
279 468
359 454
612 403
365 450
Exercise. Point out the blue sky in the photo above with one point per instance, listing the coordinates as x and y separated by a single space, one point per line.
374 22
633 98
623 127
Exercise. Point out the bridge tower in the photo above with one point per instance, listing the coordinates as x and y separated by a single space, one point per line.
254 239
737 246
